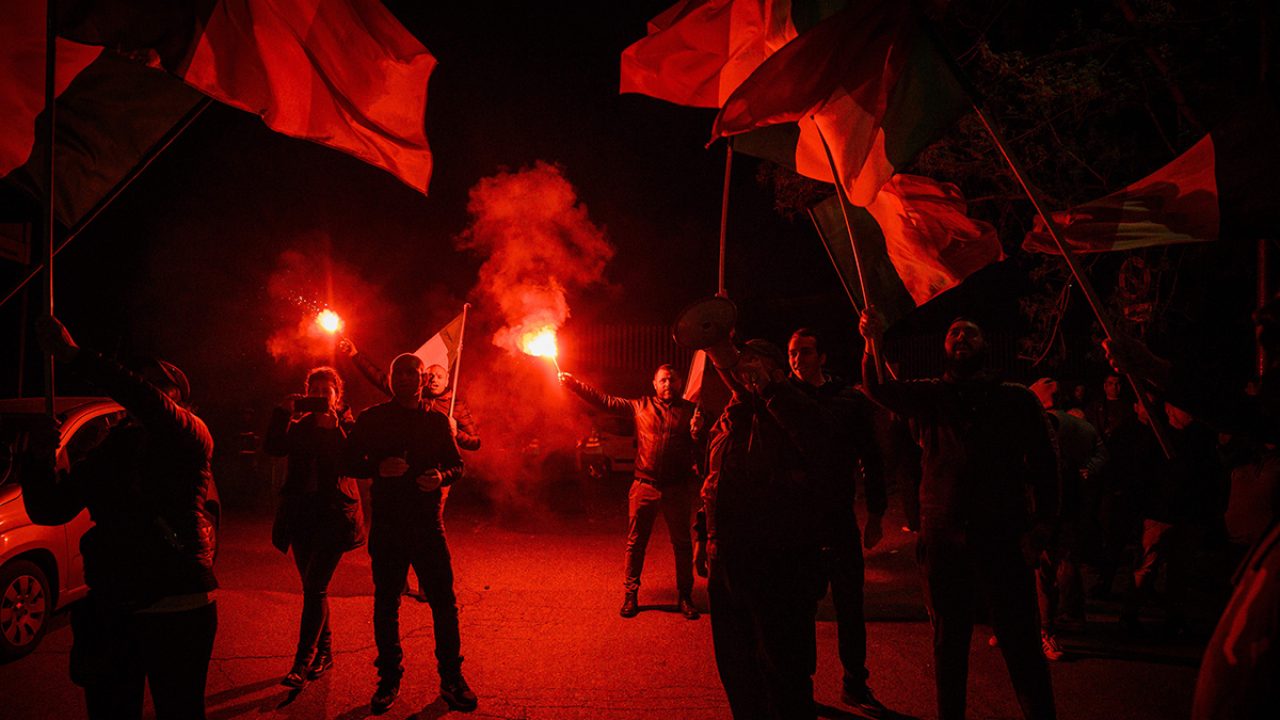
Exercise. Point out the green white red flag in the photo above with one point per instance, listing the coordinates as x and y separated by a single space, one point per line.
442 348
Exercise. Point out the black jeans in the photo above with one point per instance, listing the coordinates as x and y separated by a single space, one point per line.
116 653
393 551
316 565
763 609
846 572
644 502
957 568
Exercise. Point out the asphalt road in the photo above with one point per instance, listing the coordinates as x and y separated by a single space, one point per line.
542 638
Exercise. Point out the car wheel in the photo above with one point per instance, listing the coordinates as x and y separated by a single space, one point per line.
25 607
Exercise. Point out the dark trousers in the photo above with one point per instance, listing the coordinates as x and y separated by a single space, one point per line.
427 552
762 627
1059 585
845 572
956 569
1163 545
116 654
645 501
316 566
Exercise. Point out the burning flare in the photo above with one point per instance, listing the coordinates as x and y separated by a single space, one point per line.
329 321
541 343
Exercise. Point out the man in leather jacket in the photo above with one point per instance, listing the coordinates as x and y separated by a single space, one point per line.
150 615
665 454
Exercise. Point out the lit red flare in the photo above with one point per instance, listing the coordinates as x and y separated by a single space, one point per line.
329 321
541 343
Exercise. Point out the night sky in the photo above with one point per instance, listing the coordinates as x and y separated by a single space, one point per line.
181 264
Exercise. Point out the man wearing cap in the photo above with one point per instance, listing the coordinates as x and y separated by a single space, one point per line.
772 472
665 448
148 559
985 444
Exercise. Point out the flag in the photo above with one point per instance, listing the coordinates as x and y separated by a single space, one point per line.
442 348
705 388
22 61
109 118
697 51
1224 186
915 241
342 73
869 78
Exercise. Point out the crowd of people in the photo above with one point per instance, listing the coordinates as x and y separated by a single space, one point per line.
1014 492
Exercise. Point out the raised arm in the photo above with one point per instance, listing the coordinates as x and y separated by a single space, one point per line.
900 398
595 397
368 368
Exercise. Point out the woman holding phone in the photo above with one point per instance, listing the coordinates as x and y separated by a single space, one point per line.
319 515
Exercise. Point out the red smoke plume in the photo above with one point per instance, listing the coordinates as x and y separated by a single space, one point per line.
540 244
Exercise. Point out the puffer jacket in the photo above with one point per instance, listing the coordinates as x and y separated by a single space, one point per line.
146 487
666 446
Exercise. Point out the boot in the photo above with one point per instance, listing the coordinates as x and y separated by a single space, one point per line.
630 607
297 676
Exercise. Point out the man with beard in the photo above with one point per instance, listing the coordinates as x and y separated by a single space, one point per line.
665 442
842 558
985 443
771 472
408 452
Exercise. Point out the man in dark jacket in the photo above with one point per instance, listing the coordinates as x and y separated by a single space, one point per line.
771 477
148 560
408 452
842 551
985 444
665 447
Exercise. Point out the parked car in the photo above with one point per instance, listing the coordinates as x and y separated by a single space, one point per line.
41 569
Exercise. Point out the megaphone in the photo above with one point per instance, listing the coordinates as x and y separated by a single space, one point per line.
708 325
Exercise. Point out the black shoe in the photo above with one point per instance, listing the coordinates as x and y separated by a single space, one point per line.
457 693
321 665
864 703
384 697
297 677
630 608
688 609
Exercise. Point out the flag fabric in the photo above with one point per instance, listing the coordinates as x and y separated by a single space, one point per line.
915 242
697 51
109 118
869 78
442 348
22 60
342 73
705 388
1224 186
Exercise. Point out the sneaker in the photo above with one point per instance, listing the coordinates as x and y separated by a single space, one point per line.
630 608
864 703
457 693
688 609
1049 645
321 665
384 697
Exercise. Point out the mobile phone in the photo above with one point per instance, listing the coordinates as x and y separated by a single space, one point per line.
311 404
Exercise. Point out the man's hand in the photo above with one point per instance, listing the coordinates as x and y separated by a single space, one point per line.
1129 356
871 324
55 340
700 558
564 378
347 347
430 480
873 533
394 466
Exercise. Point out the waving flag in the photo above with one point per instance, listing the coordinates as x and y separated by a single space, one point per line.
868 77
442 348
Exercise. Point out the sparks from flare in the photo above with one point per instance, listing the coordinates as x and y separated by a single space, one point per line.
541 344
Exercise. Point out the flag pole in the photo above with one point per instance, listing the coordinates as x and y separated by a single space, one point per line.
50 107
857 259
1073 264
848 291
457 369
724 215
